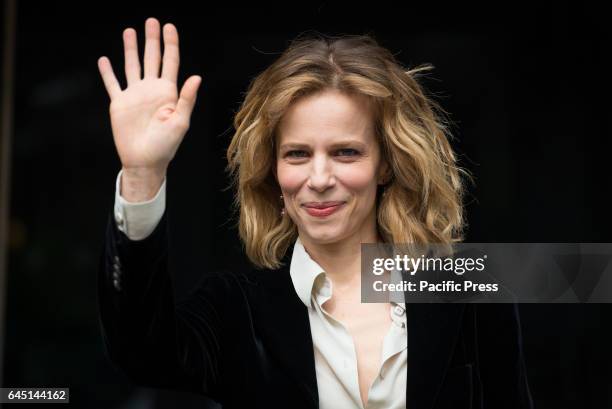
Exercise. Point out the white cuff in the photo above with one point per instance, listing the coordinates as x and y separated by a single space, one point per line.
138 220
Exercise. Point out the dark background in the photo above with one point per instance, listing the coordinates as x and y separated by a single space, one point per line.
525 87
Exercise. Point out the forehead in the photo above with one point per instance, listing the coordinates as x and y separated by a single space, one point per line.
327 115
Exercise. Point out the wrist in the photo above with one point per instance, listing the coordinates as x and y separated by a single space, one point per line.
141 184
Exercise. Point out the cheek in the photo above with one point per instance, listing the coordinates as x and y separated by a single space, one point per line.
357 178
290 178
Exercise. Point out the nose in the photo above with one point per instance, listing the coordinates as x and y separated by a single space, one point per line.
321 175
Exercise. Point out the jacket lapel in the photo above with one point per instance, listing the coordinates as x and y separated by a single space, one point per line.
286 329
432 333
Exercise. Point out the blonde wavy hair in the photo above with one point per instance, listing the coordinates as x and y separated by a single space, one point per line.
422 202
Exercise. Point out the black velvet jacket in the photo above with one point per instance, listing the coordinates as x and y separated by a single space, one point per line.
243 338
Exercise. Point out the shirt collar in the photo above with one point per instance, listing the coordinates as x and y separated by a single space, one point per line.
304 271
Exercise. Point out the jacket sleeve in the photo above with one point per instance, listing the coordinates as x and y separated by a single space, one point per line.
502 374
153 341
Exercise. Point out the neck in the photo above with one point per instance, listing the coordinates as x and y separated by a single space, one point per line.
341 260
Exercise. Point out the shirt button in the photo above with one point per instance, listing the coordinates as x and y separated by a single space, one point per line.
399 310
119 218
116 284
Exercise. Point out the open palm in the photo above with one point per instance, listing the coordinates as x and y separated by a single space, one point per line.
149 118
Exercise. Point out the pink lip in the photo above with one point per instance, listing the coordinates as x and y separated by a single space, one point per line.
322 209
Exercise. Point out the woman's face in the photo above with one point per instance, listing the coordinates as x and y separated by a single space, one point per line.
329 165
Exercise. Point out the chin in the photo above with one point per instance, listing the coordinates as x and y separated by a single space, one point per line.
324 234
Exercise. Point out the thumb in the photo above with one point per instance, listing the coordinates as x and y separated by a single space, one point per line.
188 94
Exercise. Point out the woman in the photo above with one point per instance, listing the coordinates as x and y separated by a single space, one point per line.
335 145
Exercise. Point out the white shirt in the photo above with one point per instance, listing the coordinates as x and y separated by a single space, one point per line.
334 350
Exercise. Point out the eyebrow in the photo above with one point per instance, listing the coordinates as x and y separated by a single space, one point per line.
335 145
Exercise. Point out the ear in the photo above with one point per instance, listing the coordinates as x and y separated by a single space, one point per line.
275 156
274 173
384 172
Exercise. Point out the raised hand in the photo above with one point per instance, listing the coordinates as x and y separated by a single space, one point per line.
149 118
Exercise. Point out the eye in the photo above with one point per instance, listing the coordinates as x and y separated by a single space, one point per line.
347 152
296 154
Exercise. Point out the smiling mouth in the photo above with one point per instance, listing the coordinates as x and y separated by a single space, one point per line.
323 209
